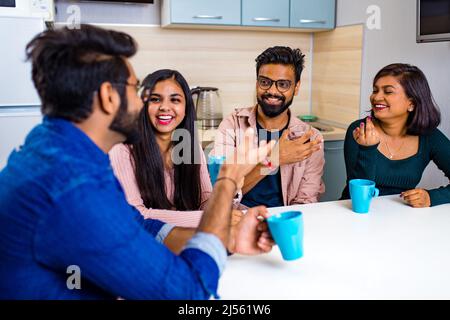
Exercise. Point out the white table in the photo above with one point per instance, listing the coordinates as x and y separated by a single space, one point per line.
393 252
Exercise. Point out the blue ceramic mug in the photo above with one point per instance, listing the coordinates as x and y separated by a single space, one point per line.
287 231
214 164
361 192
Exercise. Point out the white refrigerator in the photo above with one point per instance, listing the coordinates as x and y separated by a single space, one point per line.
19 102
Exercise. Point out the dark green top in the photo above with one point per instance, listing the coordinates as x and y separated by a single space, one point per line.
396 176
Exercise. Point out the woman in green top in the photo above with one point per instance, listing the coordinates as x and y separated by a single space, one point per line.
394 145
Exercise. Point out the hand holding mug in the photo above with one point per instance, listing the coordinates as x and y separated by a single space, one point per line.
250 235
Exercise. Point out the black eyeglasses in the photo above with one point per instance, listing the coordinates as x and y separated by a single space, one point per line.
138 86
266 83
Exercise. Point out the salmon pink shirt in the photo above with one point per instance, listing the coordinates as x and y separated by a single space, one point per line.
121 162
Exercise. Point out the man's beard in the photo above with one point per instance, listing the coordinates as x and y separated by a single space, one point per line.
272 111
126 123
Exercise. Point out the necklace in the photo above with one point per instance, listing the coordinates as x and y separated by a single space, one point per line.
391 154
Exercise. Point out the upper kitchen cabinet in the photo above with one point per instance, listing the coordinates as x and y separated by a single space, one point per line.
265 13
313 14
200 12
280 15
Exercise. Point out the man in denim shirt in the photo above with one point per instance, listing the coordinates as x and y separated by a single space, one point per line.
62 212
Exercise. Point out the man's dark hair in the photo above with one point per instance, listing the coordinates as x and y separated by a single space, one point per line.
282 55
68 66
425 116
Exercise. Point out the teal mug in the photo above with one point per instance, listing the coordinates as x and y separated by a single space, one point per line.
287 232
214 164
361 192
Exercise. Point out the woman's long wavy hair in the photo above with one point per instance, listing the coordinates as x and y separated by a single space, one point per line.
148 161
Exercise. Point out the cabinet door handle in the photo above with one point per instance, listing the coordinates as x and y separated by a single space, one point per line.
266 19
312 21
205 16
333 149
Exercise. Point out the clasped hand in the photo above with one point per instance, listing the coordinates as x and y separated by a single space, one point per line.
288 151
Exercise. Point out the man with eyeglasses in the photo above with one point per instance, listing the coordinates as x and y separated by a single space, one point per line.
297 161
66 229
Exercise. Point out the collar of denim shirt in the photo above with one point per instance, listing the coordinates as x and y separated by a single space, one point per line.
76 142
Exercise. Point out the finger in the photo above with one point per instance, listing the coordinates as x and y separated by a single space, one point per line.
305 155
285 134
369 122
265 244
416 204
373 131
267 235
362 130
258 211
413 198
237 214
356 134
313 144
307 135
264 247
410 192
265 241
315 147
262 227
419 205
369 127
308 153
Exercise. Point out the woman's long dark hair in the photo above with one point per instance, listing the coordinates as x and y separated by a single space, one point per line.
426 116
148 161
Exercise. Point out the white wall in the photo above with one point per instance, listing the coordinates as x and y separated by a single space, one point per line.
396 42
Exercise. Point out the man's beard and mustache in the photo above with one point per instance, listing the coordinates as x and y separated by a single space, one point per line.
270 110
126 123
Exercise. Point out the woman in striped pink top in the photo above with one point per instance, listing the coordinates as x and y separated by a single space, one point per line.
163 177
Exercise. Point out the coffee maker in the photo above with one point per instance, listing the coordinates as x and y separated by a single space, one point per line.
208 107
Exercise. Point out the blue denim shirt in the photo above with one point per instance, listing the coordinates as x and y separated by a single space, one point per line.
61 206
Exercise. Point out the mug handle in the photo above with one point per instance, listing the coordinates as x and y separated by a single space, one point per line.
376 192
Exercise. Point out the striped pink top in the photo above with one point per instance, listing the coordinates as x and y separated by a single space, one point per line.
123 168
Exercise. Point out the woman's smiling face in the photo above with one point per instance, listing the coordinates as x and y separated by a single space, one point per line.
389 99
167 106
